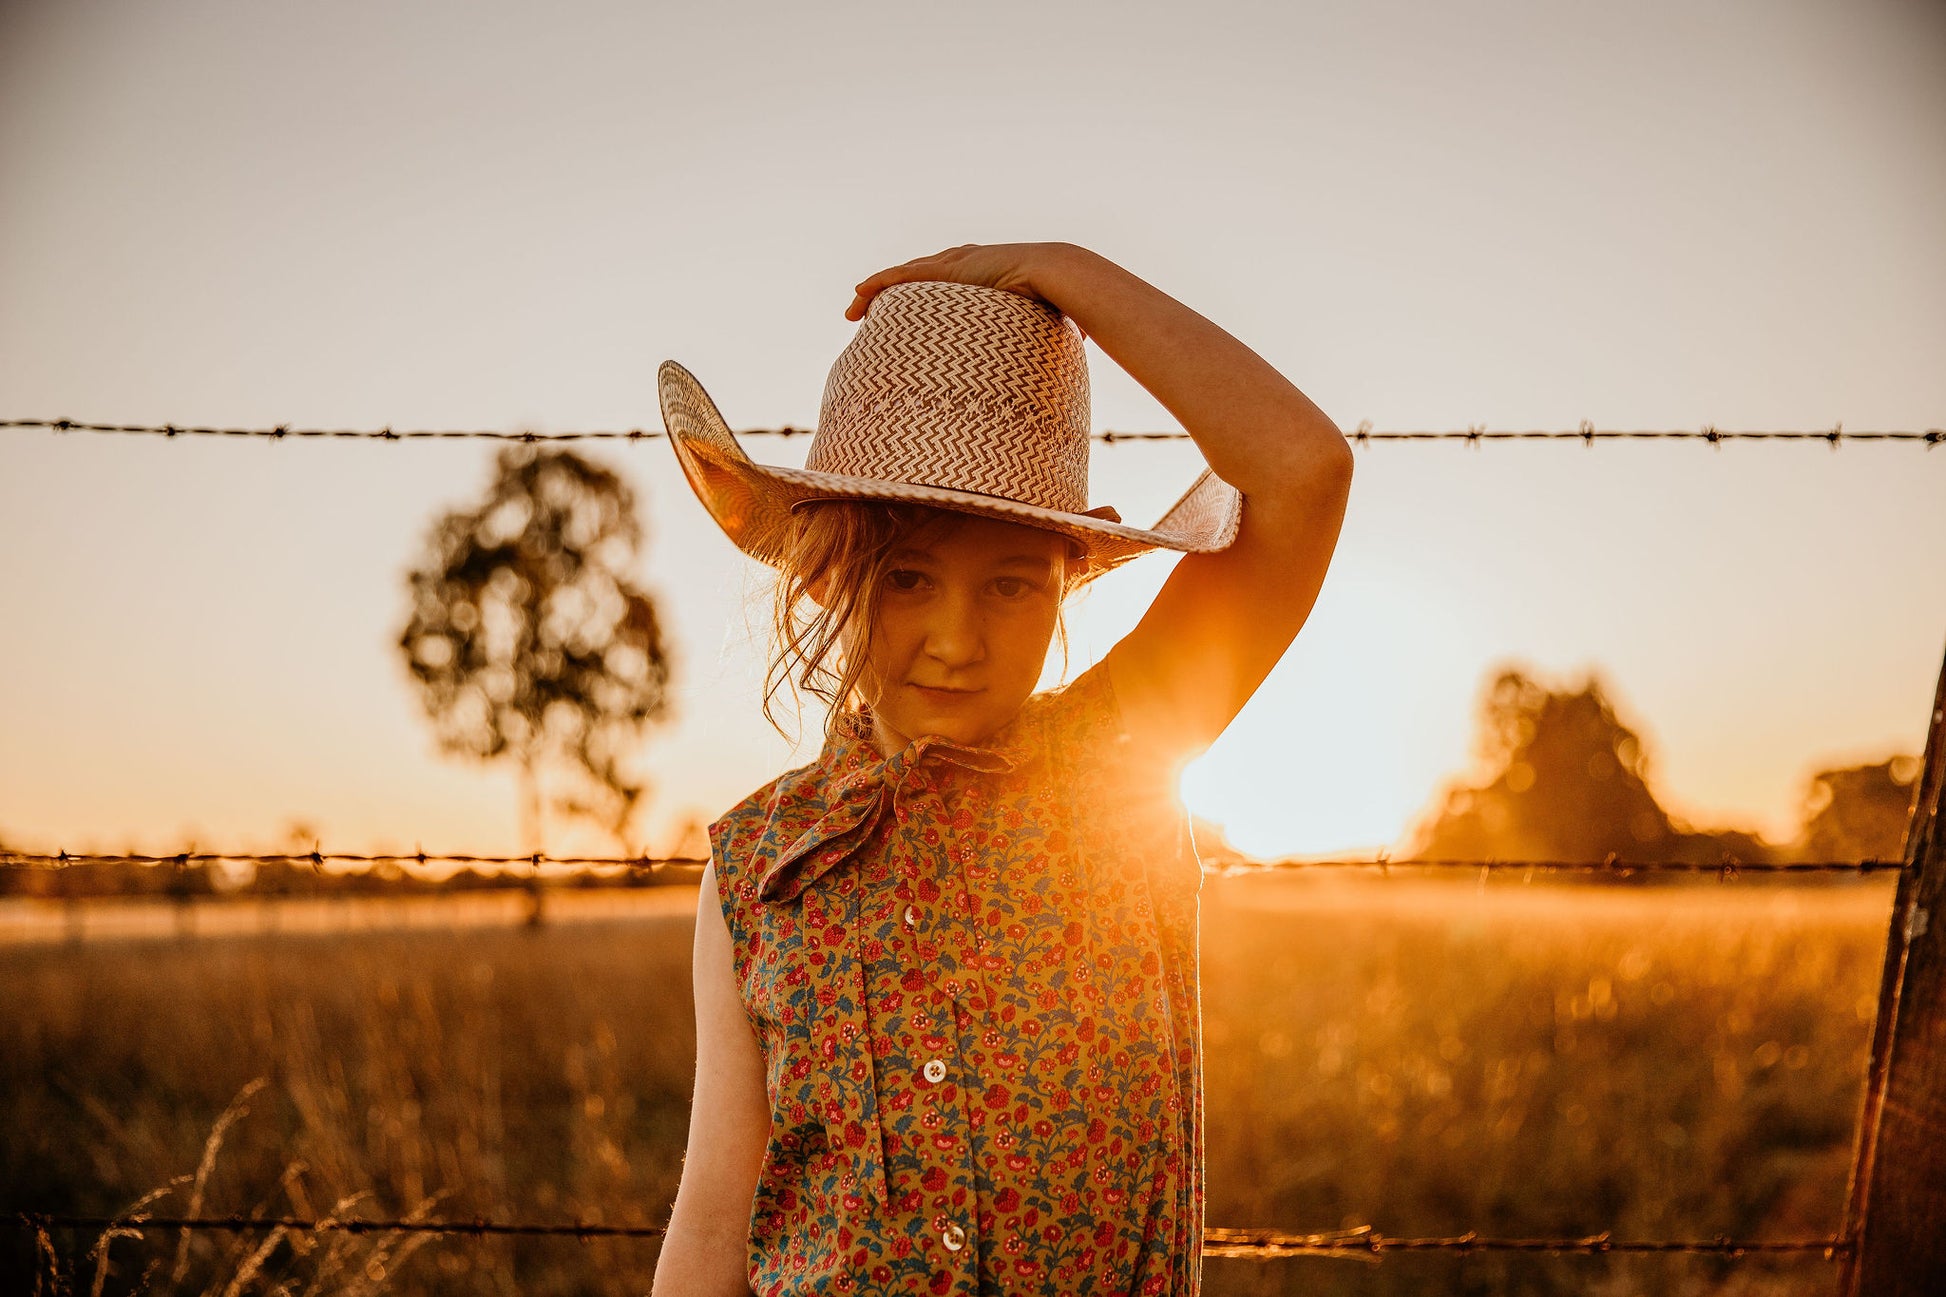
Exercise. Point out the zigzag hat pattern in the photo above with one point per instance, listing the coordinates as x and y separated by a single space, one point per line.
951 395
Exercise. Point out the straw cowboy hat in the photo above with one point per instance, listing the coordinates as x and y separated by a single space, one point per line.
951 395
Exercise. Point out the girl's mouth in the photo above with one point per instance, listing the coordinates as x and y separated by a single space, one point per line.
944 695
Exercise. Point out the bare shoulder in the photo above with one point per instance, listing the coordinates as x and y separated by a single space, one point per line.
722 1026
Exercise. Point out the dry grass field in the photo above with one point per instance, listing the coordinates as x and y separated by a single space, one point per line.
1415 1057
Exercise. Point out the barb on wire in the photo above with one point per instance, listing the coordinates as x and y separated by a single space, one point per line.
1587 433
1611 865
1251 1243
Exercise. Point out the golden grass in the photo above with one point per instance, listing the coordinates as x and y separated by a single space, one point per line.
1419 1058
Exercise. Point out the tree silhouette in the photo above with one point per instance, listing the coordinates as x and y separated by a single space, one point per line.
1567 780
1858 812
528 640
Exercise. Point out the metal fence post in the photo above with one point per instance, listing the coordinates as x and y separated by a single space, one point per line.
1895 1214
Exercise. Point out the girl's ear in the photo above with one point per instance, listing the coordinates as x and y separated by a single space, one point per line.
818 587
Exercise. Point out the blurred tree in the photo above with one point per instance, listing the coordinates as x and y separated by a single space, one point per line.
1858 812
1564 779
528 639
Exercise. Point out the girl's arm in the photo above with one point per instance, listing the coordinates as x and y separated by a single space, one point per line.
705 1251
1222 620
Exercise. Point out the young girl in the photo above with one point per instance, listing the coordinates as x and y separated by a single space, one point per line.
948 1034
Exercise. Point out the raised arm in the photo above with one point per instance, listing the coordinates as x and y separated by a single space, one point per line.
706 1249
1222 620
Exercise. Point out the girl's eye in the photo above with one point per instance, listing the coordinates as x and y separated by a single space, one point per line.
1014 587
904 578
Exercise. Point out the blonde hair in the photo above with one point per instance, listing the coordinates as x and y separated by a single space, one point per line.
842 550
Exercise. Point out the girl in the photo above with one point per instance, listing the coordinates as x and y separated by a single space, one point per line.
947 1022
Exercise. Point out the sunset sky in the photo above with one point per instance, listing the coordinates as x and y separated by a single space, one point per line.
1513 215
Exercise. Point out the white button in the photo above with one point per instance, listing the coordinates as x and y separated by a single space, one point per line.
912 916
935 1071
953 1237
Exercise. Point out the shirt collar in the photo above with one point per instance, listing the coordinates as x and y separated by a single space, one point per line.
852 784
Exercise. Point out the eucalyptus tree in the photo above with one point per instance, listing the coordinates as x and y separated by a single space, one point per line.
530 642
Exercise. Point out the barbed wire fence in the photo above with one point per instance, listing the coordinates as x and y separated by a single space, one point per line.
1242 1243
1880 1252
1612 866
1587 433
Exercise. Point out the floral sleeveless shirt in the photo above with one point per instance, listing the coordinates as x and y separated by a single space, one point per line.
973 974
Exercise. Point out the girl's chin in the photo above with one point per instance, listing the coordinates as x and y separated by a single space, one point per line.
960 725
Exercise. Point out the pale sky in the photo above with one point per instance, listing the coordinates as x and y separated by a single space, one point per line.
1515 215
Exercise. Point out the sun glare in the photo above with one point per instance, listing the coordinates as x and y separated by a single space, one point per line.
1345 743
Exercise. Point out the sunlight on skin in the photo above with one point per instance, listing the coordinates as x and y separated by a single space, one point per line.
965 611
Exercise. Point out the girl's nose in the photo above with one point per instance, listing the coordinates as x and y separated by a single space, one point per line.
954 636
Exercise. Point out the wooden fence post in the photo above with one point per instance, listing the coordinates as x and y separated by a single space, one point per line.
1895 1214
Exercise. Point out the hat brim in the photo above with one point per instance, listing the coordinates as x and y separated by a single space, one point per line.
752 502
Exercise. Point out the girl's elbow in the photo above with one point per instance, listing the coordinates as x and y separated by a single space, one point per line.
701 1254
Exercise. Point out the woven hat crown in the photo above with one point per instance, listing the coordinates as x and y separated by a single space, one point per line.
962 387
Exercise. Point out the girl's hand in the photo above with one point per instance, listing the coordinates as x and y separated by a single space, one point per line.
1011 267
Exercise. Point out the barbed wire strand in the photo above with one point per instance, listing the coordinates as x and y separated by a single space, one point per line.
1587 433
1612 864
1216 1242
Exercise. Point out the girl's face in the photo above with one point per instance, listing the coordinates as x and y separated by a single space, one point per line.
964 623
